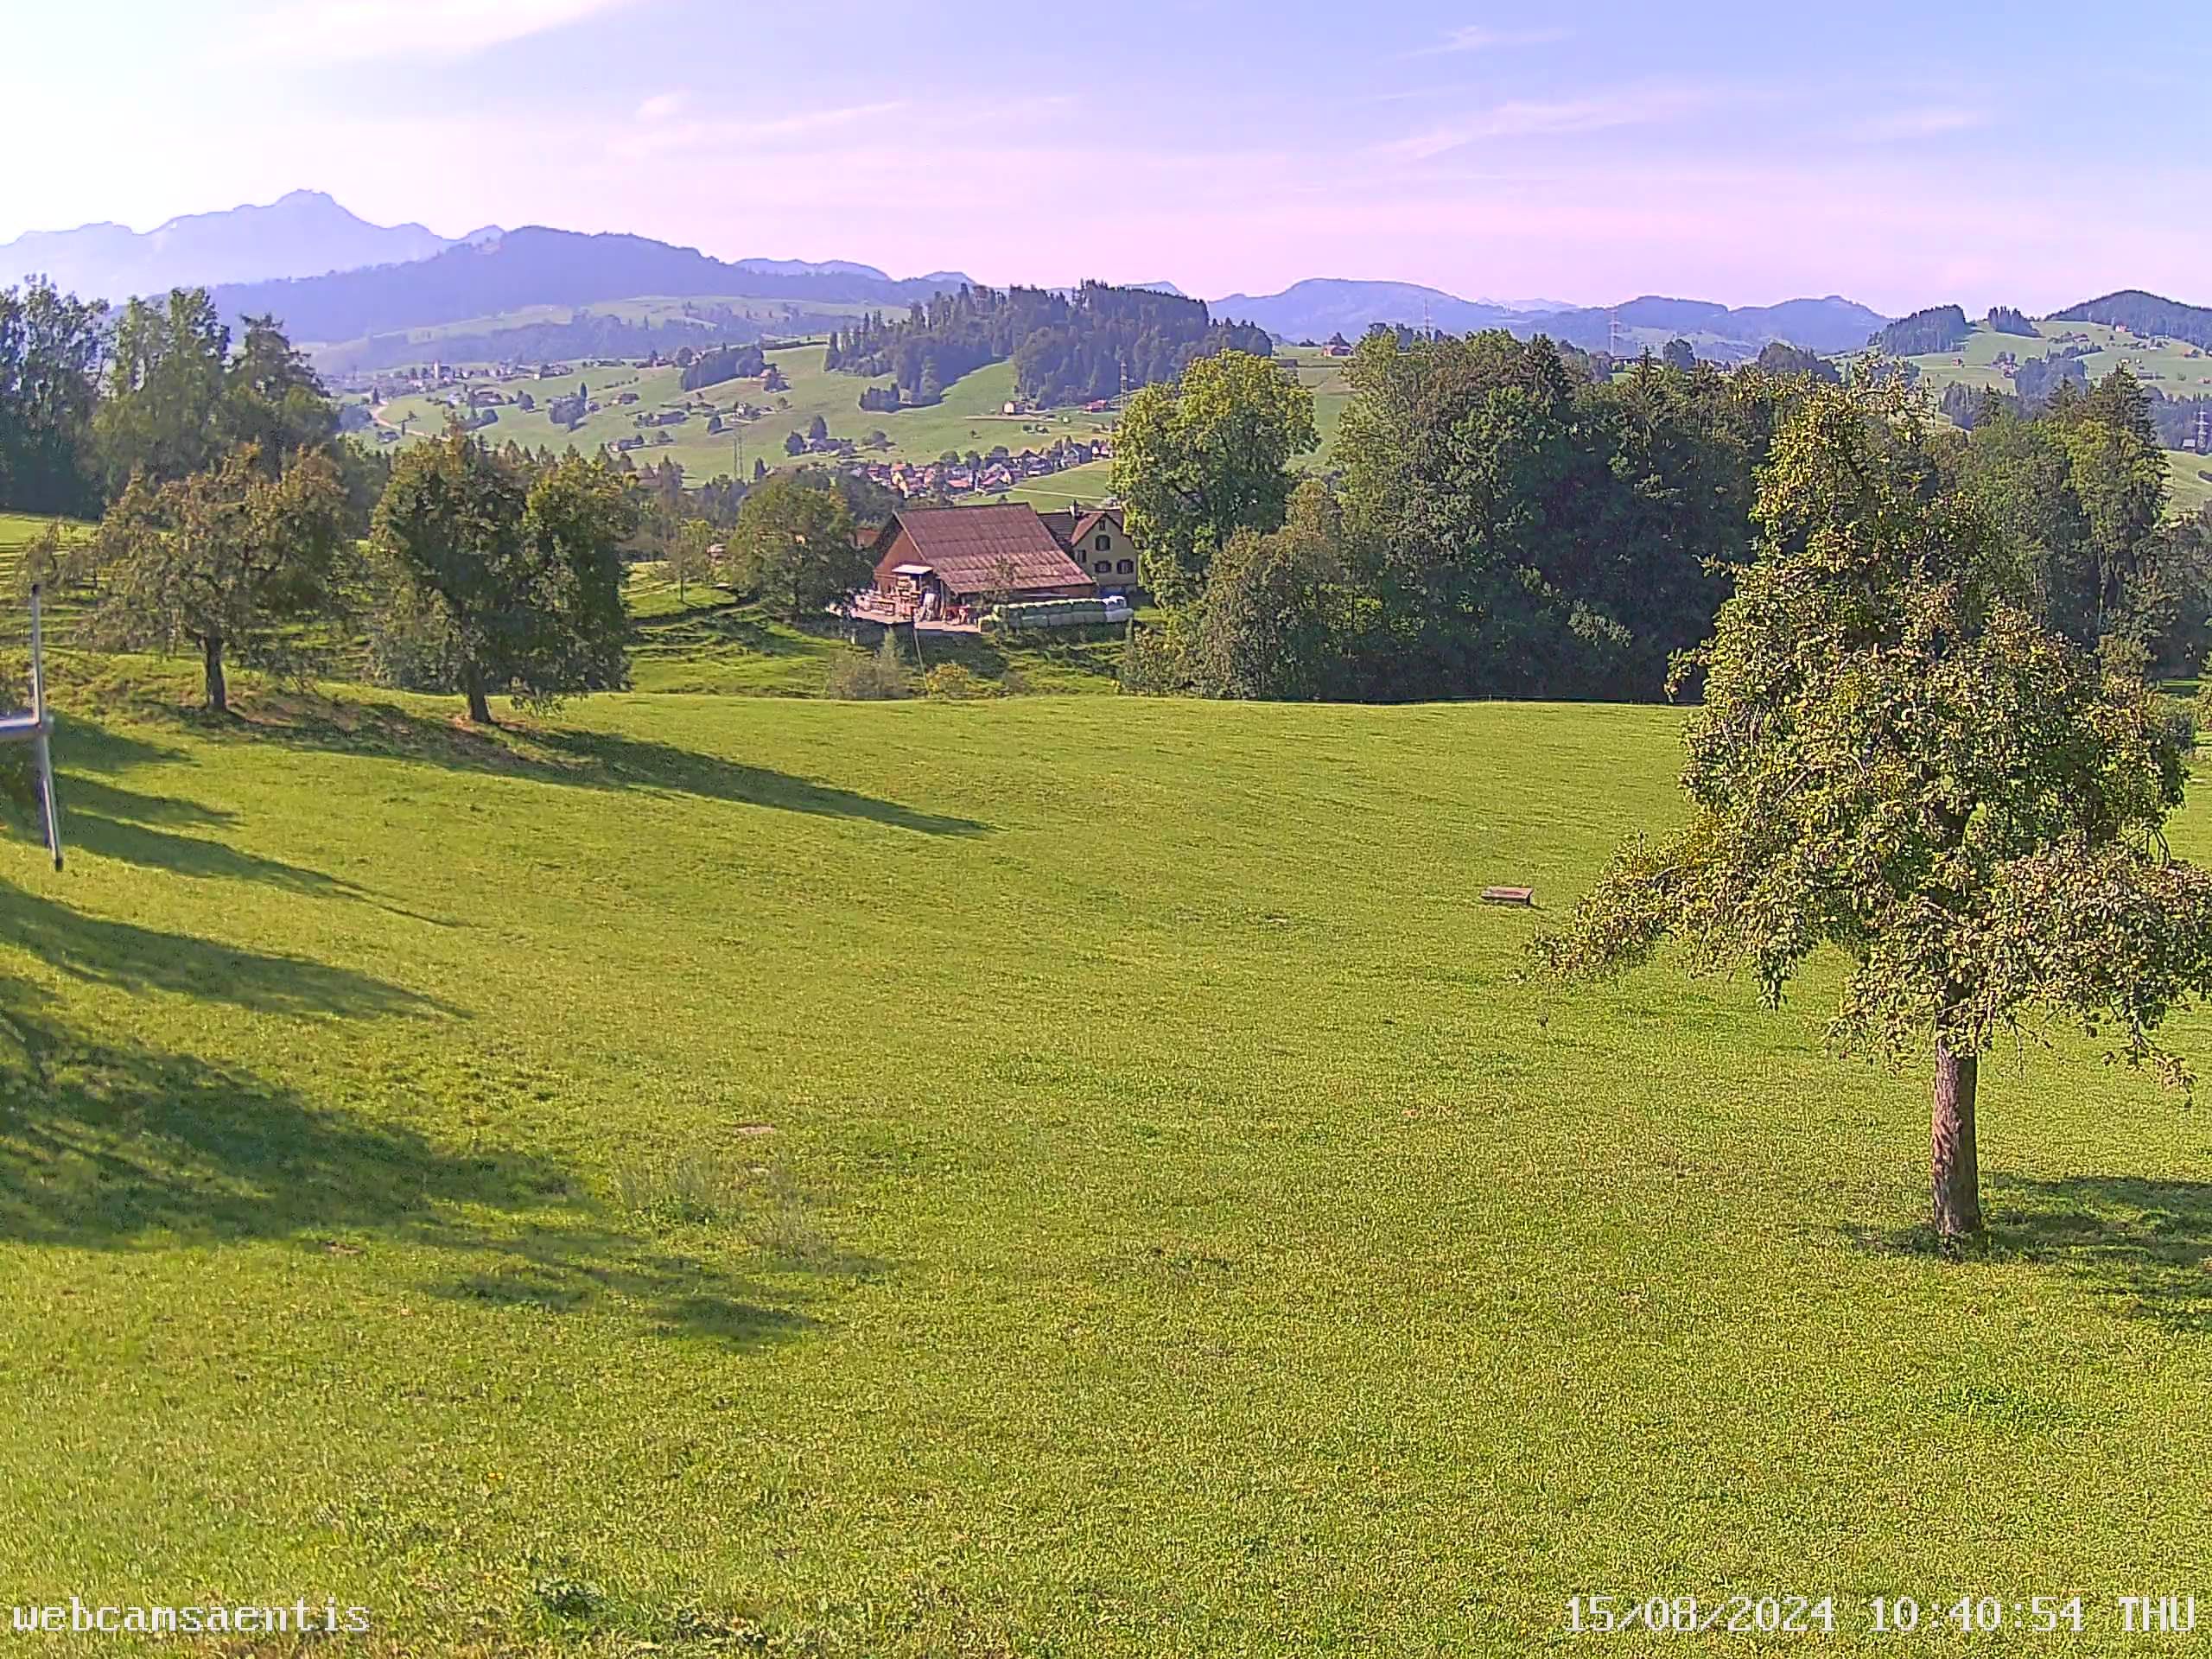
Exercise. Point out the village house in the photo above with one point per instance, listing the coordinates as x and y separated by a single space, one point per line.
1098 541
942 561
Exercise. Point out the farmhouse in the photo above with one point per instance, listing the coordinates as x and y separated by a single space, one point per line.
1097 541
944 559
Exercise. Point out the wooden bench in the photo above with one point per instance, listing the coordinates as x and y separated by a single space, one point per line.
1526 896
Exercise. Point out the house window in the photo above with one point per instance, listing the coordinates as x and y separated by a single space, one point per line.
1103 543
1104 567
1127 566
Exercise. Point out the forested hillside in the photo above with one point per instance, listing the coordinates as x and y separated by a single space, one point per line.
1096 344
535 266
2144 313
1938 329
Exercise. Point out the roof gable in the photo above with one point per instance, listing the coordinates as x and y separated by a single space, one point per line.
975 549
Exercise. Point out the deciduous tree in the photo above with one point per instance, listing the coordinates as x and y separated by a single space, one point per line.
229 560
794 544
1895 757
1198 458
523 572
50 361
686 557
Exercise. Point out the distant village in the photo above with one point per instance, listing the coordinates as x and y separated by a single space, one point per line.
478 394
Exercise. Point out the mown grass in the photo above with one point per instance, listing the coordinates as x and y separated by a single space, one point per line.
1054 1175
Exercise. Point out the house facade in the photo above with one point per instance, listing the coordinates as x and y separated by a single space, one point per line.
1098 541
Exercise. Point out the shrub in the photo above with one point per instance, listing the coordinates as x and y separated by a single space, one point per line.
956 683
1152 664
879 678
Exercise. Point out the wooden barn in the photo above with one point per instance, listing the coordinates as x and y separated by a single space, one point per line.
944 560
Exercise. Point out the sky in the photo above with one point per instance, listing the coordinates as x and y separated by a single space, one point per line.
1900 154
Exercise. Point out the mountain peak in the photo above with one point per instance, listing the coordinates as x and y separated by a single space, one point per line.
301 233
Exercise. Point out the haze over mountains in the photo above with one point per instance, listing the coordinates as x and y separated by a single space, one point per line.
331 276
304 234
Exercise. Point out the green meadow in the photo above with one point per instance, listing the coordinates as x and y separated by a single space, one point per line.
2189 477
970 418
1052 1175
2175 367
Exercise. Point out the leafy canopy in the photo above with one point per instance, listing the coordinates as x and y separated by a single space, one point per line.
519 569
1200 458
1895 757
794 545
229 560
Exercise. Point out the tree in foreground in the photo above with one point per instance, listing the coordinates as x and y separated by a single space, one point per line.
793 546
519 574
230 561
1201 457
1896 758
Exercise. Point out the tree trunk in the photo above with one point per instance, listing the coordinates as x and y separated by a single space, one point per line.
211 656
1957 1178
479 706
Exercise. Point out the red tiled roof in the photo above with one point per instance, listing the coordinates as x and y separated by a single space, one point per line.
976 549
1089 522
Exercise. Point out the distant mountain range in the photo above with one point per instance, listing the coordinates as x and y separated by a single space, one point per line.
331 276
536 266
304 234
1320 307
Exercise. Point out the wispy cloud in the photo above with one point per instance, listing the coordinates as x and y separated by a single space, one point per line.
365 29
1526 117
1482 37
1930 123
658 133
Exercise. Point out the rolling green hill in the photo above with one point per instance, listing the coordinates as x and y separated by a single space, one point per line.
969 417
1068 1175
2175 367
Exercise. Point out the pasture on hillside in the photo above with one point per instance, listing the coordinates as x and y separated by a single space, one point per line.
1050 1176
970 418
2189 479
435 340
2175 367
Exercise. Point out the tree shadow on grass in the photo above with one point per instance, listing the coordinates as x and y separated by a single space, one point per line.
134 958
522 748
105 1145
105 818
2144 1245
127 833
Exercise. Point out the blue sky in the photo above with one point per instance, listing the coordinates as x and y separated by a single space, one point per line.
1586 152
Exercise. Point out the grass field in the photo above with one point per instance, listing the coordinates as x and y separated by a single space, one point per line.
2189 479
1053 1176
968 419
2174 367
